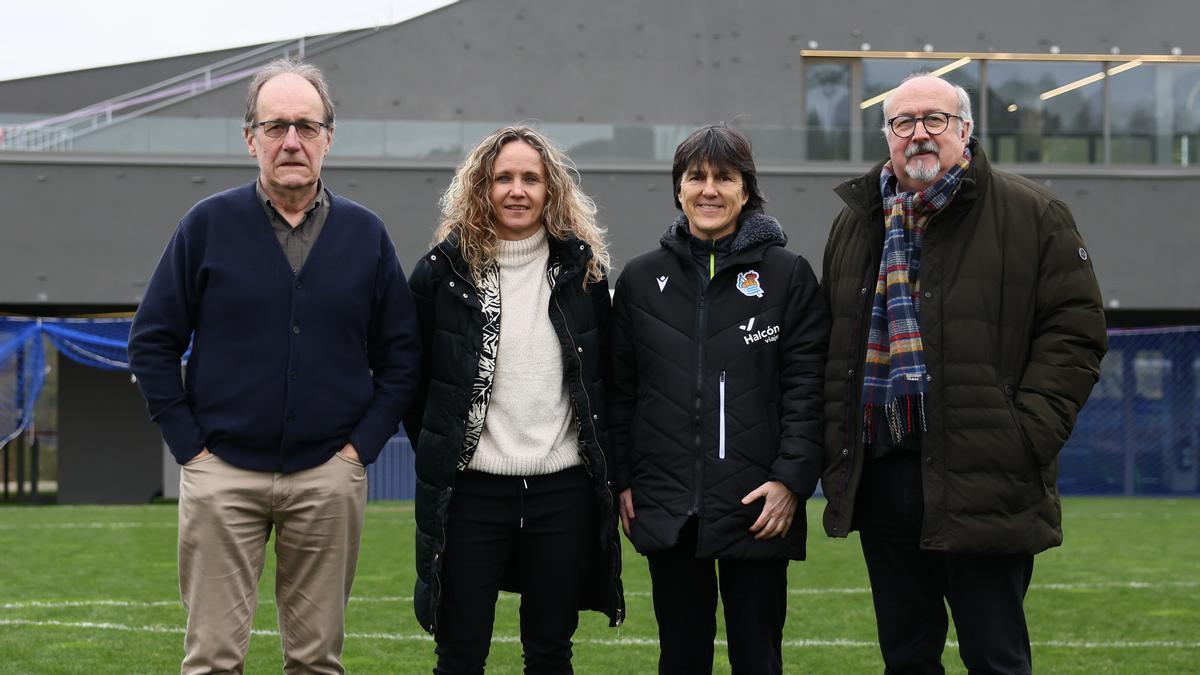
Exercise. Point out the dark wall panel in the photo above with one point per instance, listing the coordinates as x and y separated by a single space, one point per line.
108 450
693 62
91 232
64 92
639 61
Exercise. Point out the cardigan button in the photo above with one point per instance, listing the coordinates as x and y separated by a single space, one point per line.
845 451
465 296
432 256
295 330
928 294
451 284
862 291
595 417
579 349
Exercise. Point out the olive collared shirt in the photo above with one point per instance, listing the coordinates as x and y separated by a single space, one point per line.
297 241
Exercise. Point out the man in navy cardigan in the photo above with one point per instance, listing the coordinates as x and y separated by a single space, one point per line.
304 356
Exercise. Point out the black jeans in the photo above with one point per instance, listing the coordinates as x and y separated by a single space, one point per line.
538 531
754 593
911 587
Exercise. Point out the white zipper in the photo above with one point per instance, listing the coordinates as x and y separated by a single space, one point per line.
721 441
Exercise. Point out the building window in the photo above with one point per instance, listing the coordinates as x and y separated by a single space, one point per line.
1154 114
827 109
1034 118
882 75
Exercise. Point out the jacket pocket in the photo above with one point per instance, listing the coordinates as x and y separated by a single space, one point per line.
721 418
1009 389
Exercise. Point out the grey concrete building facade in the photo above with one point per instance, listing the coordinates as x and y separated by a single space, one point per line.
86 227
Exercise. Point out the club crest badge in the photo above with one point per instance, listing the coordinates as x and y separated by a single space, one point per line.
749 285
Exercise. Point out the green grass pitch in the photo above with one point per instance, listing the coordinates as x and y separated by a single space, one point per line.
93 590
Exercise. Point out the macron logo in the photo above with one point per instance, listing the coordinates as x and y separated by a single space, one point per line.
768 334
662 283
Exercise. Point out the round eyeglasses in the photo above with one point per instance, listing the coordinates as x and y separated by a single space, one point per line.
904 126
306 129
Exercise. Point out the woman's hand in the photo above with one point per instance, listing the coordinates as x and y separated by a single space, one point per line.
778 510
625 504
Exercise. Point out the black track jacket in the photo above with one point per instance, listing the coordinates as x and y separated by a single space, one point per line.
715 387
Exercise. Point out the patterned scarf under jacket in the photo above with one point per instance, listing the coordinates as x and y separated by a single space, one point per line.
894 377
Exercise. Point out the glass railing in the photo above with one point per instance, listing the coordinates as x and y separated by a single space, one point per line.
597 143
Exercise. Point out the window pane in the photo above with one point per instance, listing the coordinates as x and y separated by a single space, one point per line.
1155 114
881 75
1063 129
827 108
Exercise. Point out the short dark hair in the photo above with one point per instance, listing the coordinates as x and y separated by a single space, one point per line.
722 148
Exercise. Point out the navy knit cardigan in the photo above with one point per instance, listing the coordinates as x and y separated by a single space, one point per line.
286 368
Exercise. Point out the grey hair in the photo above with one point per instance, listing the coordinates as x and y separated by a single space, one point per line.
964 101
279 67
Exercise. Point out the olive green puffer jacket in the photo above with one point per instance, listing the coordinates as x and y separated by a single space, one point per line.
1013 331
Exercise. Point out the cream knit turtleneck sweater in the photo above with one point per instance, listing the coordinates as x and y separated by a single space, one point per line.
529 429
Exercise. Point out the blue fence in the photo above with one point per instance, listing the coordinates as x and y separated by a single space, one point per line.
1139 433
391 475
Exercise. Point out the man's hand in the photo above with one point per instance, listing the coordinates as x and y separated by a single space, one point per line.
203 453
350 453
625 505
778 510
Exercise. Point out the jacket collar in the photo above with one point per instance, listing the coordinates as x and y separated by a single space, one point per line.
568 257
862 195
756 233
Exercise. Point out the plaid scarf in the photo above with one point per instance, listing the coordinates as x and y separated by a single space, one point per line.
894 377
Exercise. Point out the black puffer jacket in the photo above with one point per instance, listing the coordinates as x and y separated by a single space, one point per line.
715 388
1013 334
452 331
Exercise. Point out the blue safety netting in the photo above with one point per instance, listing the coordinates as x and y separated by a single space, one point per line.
100 343
1139 433
22 371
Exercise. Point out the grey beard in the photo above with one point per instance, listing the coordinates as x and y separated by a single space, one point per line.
921 171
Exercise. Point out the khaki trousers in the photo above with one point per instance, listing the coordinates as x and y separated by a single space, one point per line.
226 515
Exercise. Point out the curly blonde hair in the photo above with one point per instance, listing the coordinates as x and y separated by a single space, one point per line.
468 212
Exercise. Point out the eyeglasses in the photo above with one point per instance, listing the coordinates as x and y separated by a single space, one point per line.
904 126
306 129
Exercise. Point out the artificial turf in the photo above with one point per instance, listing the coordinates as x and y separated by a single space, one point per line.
93 590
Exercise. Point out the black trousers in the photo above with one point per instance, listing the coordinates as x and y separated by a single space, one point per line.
911 587
537 530
754 593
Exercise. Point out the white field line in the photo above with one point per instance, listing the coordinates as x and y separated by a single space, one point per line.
632 642
54 604
115 525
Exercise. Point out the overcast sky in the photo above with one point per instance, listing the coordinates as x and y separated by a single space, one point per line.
38 37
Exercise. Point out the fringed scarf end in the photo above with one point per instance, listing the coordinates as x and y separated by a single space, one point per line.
904 416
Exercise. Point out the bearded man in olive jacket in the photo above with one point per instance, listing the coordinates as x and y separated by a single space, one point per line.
967 333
